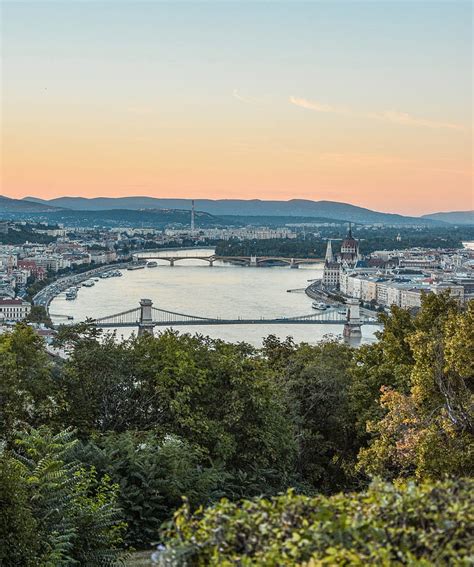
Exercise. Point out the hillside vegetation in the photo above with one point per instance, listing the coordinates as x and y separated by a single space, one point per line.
98 450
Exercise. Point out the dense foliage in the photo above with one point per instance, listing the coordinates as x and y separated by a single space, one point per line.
426 524
55 512
20 234
370 239
124 429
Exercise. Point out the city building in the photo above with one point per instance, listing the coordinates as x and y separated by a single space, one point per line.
334 266
331 269
14 309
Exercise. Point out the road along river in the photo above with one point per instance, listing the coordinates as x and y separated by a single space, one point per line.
224 290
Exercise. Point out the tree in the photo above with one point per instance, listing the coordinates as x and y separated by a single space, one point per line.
28 391
427 429
218 396
153 474
70 515
315 383
18 526
38 314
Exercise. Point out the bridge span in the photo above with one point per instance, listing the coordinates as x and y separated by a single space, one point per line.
146 318
244 260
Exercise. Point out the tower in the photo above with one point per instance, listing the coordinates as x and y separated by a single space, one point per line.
145 325
352 325
331 269
329 254
192 216
349 250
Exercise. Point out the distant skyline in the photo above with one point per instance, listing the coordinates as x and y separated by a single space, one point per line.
368 103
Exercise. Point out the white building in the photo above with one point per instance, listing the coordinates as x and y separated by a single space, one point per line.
14 309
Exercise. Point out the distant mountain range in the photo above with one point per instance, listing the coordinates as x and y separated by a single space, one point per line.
25 206
454 217
134 208
255 207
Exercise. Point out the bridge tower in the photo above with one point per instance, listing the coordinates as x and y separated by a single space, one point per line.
145 326
352 329
293 264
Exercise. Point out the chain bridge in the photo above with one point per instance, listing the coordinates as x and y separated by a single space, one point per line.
146 317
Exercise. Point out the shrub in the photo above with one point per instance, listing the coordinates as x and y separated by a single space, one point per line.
410 524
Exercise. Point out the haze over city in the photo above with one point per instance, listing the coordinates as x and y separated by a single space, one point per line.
360 102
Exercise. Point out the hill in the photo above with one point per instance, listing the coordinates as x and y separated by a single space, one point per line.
8 205
153 218
453 217
254 207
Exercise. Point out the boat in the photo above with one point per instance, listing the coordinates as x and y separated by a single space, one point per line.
71 294
319 306
152 264
136 267
88 283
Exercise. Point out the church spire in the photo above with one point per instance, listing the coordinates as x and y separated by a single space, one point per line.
350 230
329 254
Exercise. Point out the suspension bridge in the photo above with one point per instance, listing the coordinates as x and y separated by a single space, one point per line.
146 317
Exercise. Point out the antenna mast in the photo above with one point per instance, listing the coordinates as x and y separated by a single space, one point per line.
192 216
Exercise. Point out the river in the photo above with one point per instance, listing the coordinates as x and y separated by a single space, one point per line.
224 290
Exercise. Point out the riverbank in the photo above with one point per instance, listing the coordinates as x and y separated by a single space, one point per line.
48 293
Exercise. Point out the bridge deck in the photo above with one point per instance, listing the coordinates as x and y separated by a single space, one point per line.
149 316
235 322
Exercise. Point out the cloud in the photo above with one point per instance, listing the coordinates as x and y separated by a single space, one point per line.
405 118
246 99
392 116
317 106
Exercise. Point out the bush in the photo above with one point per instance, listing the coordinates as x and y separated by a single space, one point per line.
410 524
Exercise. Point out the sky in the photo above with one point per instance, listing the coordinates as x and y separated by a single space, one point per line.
368 103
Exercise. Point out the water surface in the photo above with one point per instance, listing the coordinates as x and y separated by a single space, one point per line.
224 290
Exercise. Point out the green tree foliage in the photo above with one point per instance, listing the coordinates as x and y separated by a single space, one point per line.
153 475
19 537
38 314
426 423
28 393
218 396
177 415
70 516
425 524
315 381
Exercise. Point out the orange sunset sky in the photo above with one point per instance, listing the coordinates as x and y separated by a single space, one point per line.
361 102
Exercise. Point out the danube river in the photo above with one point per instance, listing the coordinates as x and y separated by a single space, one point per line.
225 291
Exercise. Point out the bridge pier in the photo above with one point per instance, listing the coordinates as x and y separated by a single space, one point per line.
352 326
253 261
171 261
145 325
211 263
